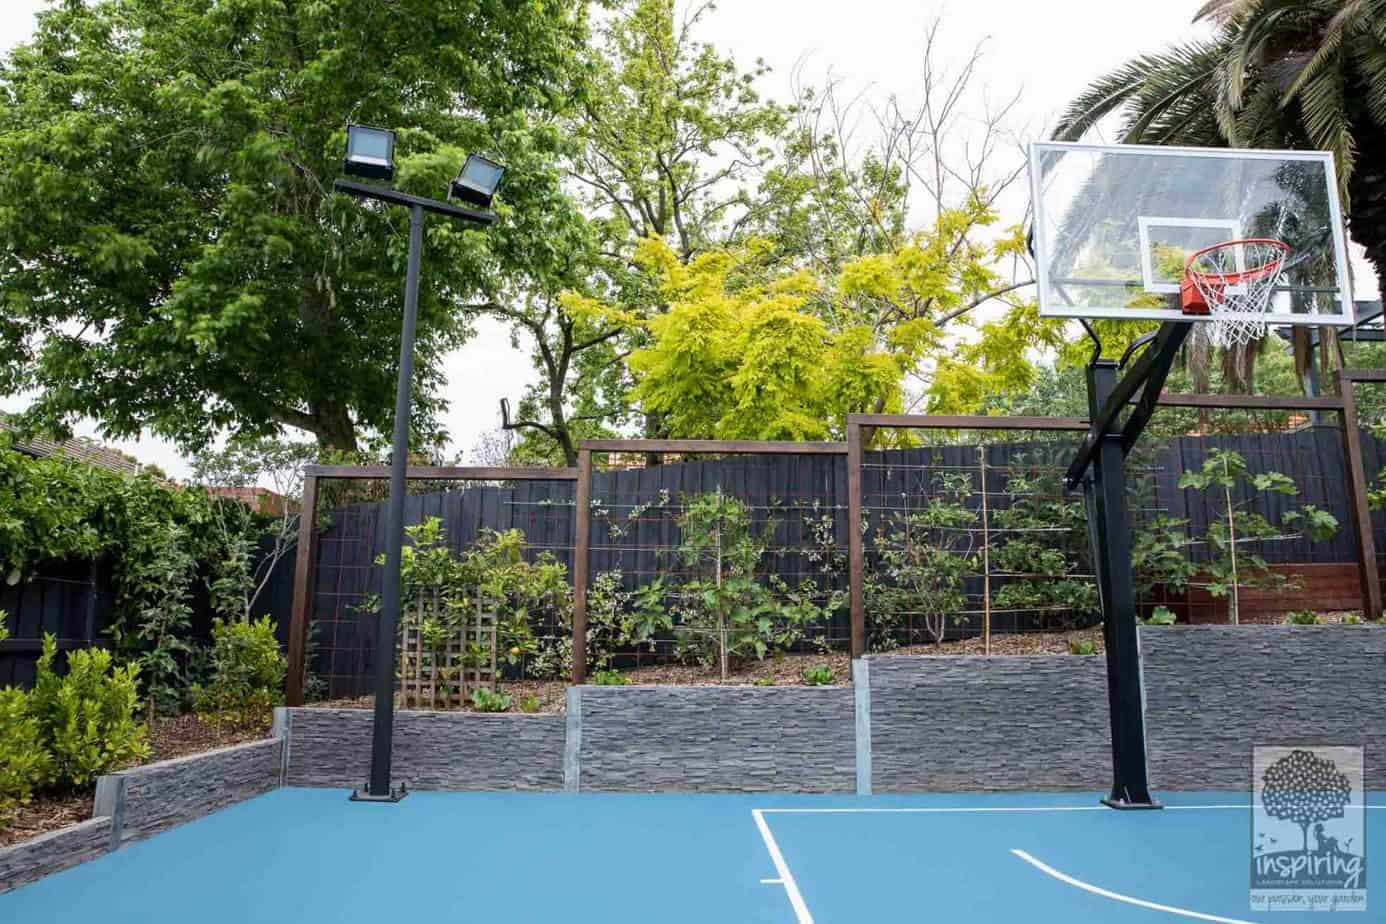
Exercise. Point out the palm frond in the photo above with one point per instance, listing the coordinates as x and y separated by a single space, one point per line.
1324 111
1220 11
1369 59
1140 84
1329 50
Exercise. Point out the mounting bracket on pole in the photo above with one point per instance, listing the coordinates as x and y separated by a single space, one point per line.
1100 467
1147 376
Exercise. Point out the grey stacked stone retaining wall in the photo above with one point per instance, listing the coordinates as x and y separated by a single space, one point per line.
31 860
1215 692
432 750
159 796
136 803
976 724
717 739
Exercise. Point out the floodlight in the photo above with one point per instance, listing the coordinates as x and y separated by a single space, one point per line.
370 152
478 181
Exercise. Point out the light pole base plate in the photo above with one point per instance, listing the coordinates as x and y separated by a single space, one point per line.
1123 805
364 794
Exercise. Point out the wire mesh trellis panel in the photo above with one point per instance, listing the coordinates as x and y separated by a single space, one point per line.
973 537
696 557
1244 517
347 571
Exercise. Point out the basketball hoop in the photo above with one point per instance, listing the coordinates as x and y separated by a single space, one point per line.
1233 282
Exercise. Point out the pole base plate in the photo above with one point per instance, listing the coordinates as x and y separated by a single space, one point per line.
364 794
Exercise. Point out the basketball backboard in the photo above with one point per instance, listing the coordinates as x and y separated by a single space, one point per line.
1114 225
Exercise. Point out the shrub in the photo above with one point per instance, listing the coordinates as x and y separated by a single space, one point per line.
1082 646
609 679
618 618
819 676
1160 616
1302 618
529 704
763 682
924 558
88 716
247 674
488 701
1352 619
25 763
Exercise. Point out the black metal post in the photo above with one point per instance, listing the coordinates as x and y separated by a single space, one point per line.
1111 520
382 731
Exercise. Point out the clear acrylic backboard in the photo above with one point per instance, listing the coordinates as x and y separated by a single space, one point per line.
1114 226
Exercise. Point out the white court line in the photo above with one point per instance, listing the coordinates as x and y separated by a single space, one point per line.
980 809
1117 896
791 888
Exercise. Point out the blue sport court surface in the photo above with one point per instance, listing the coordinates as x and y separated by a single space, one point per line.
309 855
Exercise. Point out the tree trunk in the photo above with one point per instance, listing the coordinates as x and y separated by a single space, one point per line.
334 429
1239 367
1198 358
1367 196
654 429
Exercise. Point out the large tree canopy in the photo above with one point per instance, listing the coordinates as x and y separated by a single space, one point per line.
173 256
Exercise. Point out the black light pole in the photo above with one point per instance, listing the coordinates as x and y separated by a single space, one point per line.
370 153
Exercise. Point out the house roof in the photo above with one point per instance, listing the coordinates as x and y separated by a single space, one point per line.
79 448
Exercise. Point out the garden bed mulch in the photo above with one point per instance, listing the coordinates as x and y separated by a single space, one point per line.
168 738
784 670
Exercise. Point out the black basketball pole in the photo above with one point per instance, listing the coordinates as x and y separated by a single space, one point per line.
1106 487
1120 408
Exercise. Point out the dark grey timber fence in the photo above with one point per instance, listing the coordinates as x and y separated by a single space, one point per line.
783 489
68 600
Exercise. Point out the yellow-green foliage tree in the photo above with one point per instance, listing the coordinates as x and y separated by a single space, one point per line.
749 348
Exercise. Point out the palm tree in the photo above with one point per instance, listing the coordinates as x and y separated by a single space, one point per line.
1275 74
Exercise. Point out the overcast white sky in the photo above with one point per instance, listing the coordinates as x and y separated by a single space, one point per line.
1049 50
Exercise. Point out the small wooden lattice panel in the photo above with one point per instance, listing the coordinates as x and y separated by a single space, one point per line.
445 656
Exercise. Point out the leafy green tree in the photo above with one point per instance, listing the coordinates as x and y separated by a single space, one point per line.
668 142
746 347
174 258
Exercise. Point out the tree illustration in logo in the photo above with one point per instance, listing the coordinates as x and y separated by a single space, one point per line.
1305 789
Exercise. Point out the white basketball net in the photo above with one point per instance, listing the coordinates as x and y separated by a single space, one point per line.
1236 280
